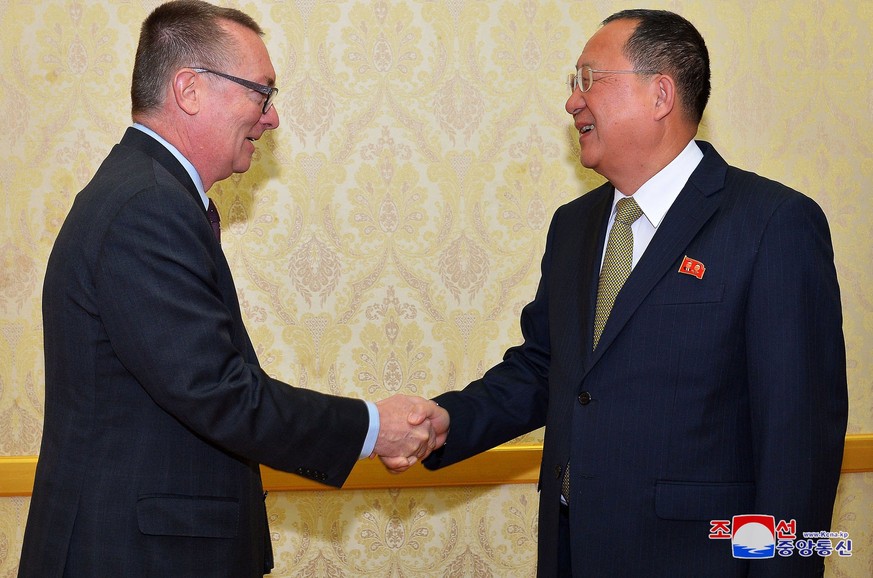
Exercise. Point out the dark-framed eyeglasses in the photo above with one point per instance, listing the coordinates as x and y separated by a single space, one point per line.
269 91
584 77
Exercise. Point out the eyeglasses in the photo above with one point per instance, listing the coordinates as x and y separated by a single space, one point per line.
584 77
269 91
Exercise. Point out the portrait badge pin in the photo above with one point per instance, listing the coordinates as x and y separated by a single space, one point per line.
692 267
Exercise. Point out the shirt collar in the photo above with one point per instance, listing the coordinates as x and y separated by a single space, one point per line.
181 158
656 196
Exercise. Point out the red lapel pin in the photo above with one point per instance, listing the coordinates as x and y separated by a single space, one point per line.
692 267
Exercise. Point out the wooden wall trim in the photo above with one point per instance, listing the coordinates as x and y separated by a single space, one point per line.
509 464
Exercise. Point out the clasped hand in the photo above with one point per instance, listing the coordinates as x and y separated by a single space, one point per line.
410 429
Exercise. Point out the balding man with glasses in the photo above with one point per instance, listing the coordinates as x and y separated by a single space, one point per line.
157 412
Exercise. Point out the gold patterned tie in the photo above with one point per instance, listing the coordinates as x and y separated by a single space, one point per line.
615 271
616 263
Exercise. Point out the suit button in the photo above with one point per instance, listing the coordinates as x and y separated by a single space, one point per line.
584 398
557 472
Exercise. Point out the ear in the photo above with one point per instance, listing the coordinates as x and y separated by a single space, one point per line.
665 95
187 90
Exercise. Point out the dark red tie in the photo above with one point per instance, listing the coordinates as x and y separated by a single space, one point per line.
214 220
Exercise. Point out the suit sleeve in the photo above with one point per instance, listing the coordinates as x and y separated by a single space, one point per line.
172 317
796 376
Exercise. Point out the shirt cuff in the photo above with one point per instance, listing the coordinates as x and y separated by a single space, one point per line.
373 432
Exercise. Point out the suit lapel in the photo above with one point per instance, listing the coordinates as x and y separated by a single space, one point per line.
694 206
590 252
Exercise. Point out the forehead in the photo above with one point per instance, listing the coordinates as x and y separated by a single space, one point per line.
252 53
605 48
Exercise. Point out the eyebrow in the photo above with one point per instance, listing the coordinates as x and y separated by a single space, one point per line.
268 81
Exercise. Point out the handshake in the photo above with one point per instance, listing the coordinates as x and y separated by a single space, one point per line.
410 428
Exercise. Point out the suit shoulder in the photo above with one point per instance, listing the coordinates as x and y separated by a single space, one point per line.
750 181
127 173
762 204
127 178
121 174
764 194
741 181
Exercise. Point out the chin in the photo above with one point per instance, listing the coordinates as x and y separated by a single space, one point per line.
242 166
591 158
587 164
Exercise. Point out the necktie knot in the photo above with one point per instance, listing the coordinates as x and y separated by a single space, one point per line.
627 211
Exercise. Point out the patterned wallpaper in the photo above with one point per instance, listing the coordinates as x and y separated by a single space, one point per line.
390 230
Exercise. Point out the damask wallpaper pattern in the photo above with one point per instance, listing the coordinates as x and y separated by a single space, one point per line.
390 230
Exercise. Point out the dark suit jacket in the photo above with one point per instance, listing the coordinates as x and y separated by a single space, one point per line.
157 412
706 398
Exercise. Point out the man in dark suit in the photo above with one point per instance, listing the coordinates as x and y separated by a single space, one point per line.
715 383
157 412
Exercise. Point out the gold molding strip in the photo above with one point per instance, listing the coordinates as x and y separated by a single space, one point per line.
858 454
509 464
16 475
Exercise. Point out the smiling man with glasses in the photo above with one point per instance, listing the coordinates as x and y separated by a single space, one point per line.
684 349
157 412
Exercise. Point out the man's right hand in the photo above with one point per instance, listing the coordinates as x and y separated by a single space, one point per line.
410 429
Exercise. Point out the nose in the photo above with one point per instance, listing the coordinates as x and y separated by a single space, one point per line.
575 102
270 119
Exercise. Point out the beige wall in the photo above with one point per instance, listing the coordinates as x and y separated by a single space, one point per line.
390 231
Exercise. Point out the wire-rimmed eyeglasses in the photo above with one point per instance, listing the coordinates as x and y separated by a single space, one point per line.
584 77
269 91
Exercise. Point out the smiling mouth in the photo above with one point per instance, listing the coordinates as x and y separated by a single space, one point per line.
586 129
